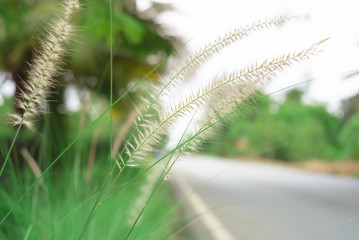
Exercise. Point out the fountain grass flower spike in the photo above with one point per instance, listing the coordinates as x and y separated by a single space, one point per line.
210 49
41 73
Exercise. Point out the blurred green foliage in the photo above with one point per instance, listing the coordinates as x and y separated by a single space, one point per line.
349 137
139 43
291 131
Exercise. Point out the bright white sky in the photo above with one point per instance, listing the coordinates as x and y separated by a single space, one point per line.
204 20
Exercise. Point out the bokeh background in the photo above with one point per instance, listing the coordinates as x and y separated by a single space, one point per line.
306 117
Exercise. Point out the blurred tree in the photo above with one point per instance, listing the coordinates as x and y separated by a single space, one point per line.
349 137
139 42
349 106
349 134
303 131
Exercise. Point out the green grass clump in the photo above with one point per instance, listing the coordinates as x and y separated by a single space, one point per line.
57 208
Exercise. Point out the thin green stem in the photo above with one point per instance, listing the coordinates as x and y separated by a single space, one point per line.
96 205
93 211
111 72
11 147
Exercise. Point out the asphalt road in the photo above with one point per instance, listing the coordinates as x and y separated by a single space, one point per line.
253 201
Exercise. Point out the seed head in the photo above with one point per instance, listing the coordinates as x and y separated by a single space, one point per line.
45 67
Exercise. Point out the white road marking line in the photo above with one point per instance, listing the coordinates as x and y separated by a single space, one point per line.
211 222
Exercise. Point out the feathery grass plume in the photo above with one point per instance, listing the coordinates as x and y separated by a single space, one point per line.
45 67
200 56
229 38
243 81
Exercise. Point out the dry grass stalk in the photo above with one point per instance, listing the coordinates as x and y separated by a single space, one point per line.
32 163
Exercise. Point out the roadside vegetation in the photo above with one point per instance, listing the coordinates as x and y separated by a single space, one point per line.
293 132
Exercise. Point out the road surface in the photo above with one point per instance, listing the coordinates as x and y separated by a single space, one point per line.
254 201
